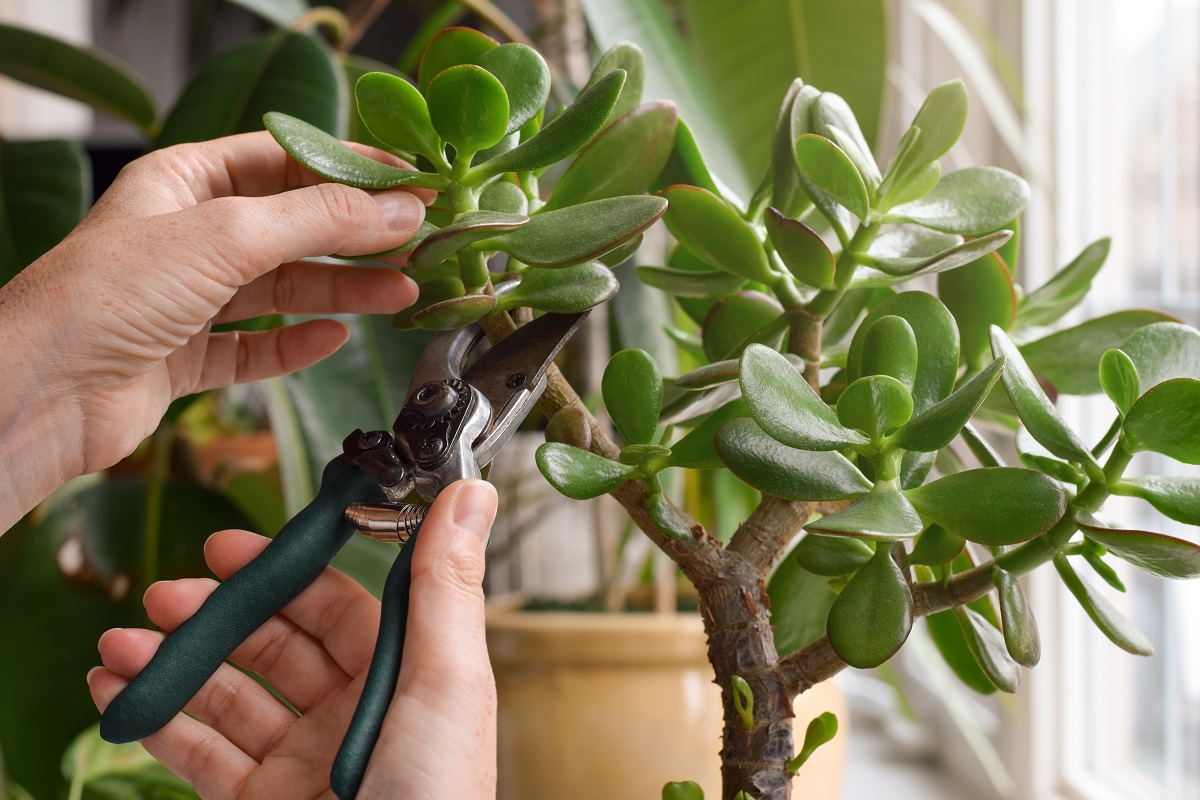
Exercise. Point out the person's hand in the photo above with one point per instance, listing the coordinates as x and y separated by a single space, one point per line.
439 737
101 333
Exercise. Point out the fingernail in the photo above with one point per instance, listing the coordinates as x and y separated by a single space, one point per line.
103 636
475 508
92 672
402 211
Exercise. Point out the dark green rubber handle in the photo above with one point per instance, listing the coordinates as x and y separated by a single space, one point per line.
355 752
239 606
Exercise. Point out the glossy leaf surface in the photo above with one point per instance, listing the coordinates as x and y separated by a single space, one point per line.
578 474
577 233
1111 622
1166 420
979 295
824 165
1164 351
1177 497
993 505
873 615
450 48
940 120
950 259
881 515
396 114
936 426
890 348
1119 379
712 229
697 449
1021 635
525 77
935 546
783 471
691 283
1069 359
787 194
721 372
562 291
632 388
627 56
454 313
833 118
736 318
470 228
1066 289
988 648
831 555
800 248
875 404
468 107
1156 553
971 202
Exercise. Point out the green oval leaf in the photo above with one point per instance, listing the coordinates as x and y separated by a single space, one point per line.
1178 498
88 76
1021 635
43 195
936 426
783 471
1155 553
1166 420
505 197
1066 289
737 318
873 615
953 258
993 505
786 407
563 291
988 649
454 313
450 48
823 165
396 114
625 56
433 290
890 348
577 233
971 202
1119 379
326 156
624 159
1111 622
833 118
880 515
875 404
979 295
719 372
689 283
578 474
939 122
697 450
470 228
712 229
632 388
831 556
468 107
787 194
936 546
801 250
525 77
682 790
1164 351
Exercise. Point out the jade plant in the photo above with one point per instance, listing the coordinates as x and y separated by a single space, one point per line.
865 412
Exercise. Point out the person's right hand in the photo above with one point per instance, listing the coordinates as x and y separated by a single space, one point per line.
439 737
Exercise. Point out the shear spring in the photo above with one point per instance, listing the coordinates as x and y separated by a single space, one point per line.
386 523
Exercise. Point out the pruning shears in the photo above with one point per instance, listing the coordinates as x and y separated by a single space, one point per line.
464 402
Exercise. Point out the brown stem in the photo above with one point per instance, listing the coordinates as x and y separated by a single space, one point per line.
762 537
361 13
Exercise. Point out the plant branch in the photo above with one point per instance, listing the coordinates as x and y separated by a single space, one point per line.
362 14
762 537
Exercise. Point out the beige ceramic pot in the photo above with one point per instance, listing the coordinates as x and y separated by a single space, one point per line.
606 706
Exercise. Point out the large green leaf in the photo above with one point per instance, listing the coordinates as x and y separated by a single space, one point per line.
953 258
468 107
833 118
824 165
881 515
629 57
1164 351
787 194
873 615
452 47
801 250
738 320
992 505
44 191
89 76
288 73
632 388
712 229
971 202
579 474
1155 553
979 295
525 77
936 426
1166 420
1177 497
1111 622
397 114
800 604
783 471
1066 289
354 67
875 404
471 227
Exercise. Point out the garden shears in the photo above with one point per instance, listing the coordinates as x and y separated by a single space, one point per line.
464 402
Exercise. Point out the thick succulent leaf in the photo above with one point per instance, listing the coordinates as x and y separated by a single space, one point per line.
1111 622
890 348
911 241
88 76
875 404
736 319
44 191
525 77
981 448
786 407
801 250
950 259
682 790
623 160
450 48
832 556
562 291
468 107
578 474
776 469
833 118
563 136
800 604
632 388
940 122
823 164
1040 416
1069 358
629 57
873 615
936 546
1119 379
687 166
1155 553
719 372
712 229
577 233
820 731
971 202
286 73
643 453
434 290
880 515
948 636
1021 635
919 185
282 13
1166 420
1177 497
454 313
793 122
1034 456
326 156
698 450
471 227
1164 351
689 283
979 295
937 344
396 114
936 426
993 505
354 67
505 197
988 648
1066 289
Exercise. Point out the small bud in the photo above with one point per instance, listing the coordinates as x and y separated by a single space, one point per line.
569 425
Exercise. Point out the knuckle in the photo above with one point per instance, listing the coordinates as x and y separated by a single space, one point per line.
342 203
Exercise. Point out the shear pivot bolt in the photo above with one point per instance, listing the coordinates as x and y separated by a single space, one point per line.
515 380
432 448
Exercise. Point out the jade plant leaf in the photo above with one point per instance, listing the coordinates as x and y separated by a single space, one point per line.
434 290
1166 420
875 404
833 118
1119 379
624 159
820 730
1111 622
1040 416
824 165
1155 553
570 425
632 387
525 77
88 76
643 453
627 56
952 258
915 188
563 291
1164 351
682 790
1021 635
801 250
890 348
979 295
940 121
800 602
472 227
988 648
712 229
881 515
971 202
687 165
1034 456
873 615
787 194
936 426
353 68
951 642
690 283
396 114
326 156
454 313
1066 289
719 372
698 450
831 556
735 319
505 197
468 107
786 407
579 474
992 505
787 472
577 233
450 48
1069 358
1177 497
562 137
935 546
911 241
